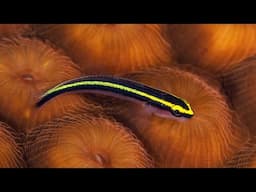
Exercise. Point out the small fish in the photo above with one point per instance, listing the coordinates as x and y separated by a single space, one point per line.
159 102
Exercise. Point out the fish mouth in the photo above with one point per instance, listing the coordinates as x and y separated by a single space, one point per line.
188 115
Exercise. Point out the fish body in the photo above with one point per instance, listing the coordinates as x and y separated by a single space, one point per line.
166 103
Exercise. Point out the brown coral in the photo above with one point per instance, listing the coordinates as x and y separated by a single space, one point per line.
206 140
10 151
240 86
111 48
29 67
215 47
82 141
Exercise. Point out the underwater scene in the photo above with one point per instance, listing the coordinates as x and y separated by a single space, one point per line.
127 95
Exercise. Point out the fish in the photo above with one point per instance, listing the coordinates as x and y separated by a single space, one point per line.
159 102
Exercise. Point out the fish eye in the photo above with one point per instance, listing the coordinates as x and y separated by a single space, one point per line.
176 113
